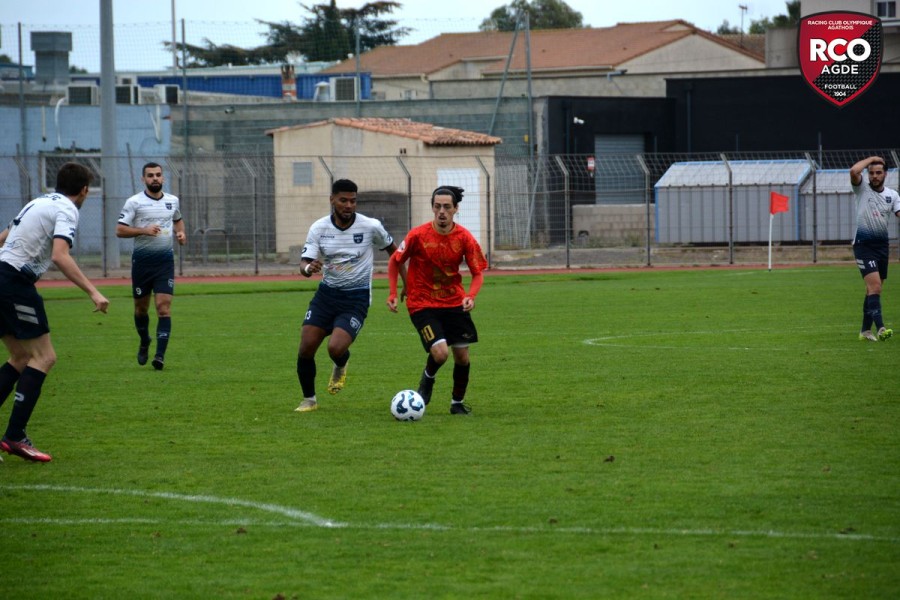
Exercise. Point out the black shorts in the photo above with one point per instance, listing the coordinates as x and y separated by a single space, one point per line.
22 313
331 308
152 276
872 259
453 325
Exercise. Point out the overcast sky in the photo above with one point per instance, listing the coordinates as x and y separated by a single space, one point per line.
428 17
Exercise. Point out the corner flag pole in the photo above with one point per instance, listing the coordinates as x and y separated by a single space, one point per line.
777 203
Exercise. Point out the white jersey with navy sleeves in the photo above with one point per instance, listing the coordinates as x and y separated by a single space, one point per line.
347 255
142 211
29 244
872 210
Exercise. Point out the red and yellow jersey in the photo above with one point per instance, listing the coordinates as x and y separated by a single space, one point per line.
433 279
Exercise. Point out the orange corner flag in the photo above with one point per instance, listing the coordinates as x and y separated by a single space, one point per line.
777 203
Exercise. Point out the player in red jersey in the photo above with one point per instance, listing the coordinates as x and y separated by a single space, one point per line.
439 306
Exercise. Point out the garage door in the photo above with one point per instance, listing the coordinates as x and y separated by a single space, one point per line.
618 176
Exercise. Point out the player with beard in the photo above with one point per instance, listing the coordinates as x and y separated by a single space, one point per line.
341 246
871 247
153 219
439 306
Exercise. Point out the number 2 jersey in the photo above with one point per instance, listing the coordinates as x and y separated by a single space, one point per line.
433 279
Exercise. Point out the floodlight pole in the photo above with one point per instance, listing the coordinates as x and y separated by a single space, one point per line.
108 136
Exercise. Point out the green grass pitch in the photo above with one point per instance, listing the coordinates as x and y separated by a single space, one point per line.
655 434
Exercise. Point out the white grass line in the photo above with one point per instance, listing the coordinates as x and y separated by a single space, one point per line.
612 341
291 513
304 519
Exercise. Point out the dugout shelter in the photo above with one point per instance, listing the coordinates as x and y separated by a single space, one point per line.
714 202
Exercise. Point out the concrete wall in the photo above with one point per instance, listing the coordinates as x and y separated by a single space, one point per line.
781 48
599 224
400 88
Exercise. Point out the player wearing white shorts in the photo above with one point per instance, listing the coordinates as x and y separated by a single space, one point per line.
42 233
874 203
341 246
153 219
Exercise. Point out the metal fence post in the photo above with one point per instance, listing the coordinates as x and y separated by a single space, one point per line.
568 226
24 179
730 210
643 164
815 209
408 194
327 170
253 178
487 208
105 234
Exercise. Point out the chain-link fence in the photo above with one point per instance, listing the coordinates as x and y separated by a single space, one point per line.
250 213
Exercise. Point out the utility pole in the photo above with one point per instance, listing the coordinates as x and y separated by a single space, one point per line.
174 45
743 8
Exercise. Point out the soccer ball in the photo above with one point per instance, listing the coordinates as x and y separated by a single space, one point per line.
408 406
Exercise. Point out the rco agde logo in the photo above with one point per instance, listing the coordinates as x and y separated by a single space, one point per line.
840 53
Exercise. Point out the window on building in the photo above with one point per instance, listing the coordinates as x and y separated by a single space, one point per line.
886 10
50 164
303 174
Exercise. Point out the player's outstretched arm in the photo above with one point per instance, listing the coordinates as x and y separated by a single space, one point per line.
68 267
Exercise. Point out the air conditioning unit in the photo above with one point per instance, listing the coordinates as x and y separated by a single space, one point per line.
167 93
82 95
343 89
322 92
128 94
130 79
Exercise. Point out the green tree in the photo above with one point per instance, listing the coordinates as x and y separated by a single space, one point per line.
328 33
542 14
727 29
791 19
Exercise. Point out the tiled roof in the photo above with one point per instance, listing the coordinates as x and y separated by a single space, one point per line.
754 42
551 49
430 135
